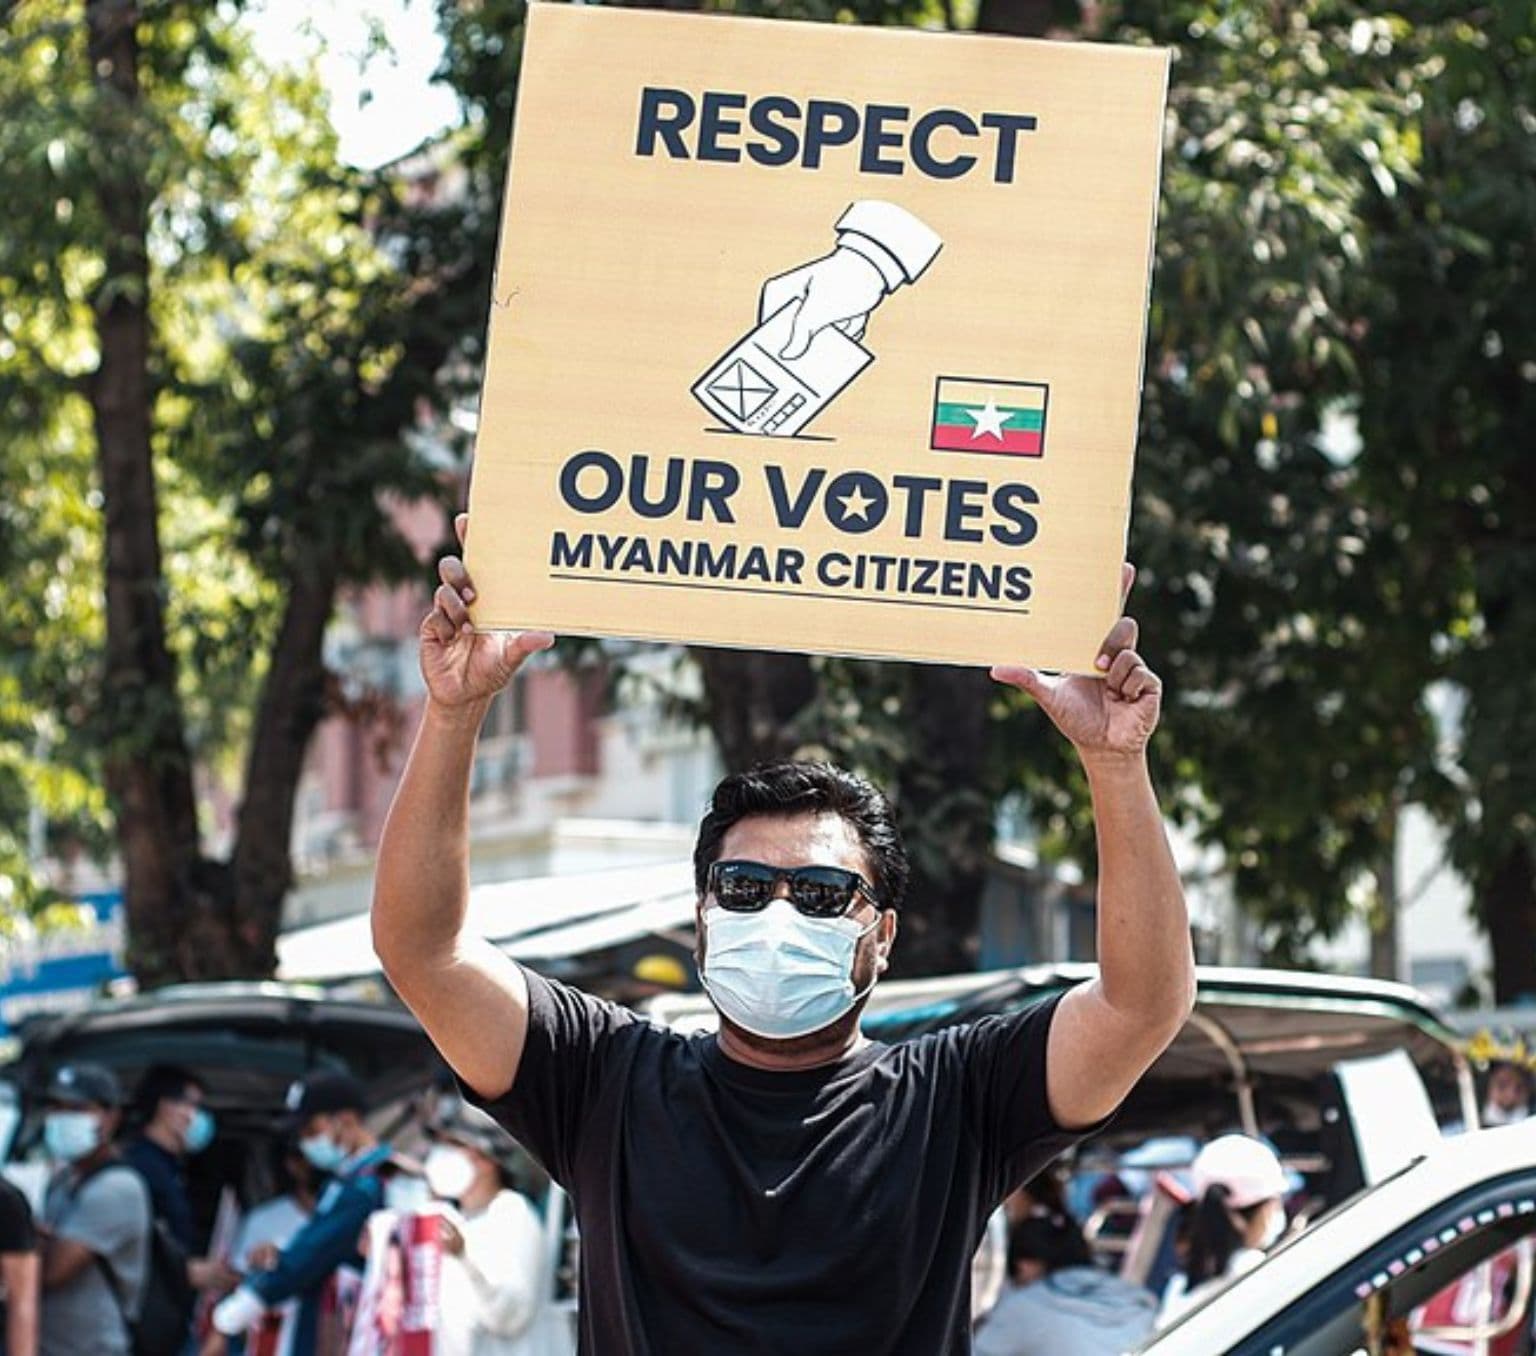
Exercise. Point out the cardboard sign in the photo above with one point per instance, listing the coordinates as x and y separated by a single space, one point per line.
817 337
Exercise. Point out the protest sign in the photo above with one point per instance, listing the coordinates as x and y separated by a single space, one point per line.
817 337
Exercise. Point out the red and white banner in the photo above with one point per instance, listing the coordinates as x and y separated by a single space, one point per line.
398 1306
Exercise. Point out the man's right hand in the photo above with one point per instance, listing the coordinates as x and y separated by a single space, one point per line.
462 666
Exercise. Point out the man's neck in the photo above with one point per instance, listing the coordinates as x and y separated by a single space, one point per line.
93 1160
805 1052
161 1135
361 1145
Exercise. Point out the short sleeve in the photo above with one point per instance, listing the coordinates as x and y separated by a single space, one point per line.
16 1231
1005 1058
574 1043
109 1213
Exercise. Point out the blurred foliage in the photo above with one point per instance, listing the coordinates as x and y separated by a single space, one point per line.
1342 301
1334 498
292 339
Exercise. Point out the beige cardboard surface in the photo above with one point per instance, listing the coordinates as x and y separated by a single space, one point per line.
945 473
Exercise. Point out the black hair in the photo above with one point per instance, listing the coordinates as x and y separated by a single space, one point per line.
1212 1234
159 1082
784 789
1051 1238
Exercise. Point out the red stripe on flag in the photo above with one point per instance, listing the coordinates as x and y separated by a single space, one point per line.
1020 442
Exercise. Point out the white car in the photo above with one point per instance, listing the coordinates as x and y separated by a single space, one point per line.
1463 1215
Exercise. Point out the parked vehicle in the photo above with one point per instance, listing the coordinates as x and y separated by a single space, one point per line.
1462 1216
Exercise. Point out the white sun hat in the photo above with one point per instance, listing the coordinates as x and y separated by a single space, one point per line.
1247 1168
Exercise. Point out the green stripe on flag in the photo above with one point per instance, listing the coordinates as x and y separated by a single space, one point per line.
963 416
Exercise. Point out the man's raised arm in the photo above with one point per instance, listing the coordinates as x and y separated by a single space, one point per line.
1107 1033
472 1000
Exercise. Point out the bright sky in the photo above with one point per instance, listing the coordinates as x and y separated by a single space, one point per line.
405 108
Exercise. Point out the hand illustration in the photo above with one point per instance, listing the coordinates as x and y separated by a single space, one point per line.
879 247
840 289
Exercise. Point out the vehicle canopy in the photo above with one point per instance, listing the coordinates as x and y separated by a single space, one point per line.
1250 1056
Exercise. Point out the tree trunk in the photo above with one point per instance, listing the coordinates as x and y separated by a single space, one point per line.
148 770
293 700
1016 18
1386 951
945 808
752 701
1509 908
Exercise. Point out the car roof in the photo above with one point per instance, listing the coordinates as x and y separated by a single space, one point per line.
1453 1167
246 1041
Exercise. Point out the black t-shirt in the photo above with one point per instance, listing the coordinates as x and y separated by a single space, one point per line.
823 1212
16 1234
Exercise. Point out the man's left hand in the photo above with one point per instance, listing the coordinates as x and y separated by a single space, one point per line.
1108 717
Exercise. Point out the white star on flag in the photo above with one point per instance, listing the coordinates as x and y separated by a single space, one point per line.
989 420
855 504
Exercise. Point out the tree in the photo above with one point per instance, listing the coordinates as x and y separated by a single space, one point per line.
196 296
1448 417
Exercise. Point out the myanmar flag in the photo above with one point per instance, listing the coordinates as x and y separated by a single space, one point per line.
989 416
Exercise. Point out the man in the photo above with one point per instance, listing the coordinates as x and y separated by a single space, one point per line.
169 1102
18 1274
787 1185
96 1221
328 1111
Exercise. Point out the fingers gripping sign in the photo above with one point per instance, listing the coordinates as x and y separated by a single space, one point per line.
460 664
1113 714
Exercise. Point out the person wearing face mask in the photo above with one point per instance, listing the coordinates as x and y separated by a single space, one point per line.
96 1221
783 1183
175 1125
493 1282
327 1115
1236 1216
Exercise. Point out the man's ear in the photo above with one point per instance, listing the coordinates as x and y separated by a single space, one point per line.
887 935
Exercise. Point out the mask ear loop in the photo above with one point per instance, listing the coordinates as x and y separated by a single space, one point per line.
875 978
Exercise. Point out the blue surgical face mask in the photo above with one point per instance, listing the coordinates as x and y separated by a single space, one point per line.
322 1152
199 1132
71 1135
779 974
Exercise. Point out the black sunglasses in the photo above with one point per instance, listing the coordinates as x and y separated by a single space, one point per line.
816 891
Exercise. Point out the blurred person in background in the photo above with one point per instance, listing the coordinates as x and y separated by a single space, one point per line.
1507 1097
1059 1302
265 1231
174 1125
96 1221
18 1273
328 1110
1237 1215
493 1282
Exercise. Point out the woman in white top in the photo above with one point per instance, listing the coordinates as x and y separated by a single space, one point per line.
495 1279
1237 1215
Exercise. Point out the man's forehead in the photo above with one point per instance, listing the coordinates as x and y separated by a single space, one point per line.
795 840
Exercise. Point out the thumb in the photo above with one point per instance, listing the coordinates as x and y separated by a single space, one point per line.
802 330
516 648
1025 679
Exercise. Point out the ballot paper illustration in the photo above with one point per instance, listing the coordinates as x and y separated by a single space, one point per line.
805 349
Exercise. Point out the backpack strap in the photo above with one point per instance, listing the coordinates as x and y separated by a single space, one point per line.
108 1274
